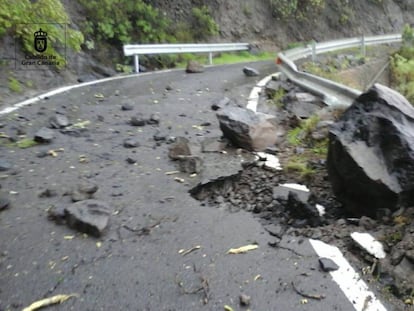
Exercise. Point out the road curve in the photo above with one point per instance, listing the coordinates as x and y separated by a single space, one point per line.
125 270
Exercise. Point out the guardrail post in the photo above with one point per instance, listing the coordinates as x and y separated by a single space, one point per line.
136 62
313 51
210 58
363 49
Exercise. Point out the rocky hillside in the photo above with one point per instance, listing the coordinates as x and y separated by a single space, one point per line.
270 24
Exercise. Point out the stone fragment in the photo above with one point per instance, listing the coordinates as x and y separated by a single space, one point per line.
5 165
87 187
220 104
371 153
131 160
250 72
127 107
89 216
247 129
212 144
328 265
138 120
58 121
245 300
194 67
190 164
179 148
44 135
130 143
4 201
154 119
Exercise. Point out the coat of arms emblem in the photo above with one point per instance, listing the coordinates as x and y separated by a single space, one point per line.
40 41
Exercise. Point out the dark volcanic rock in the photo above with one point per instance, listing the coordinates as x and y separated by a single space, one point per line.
154 119
250 72
138 120
44 135
194 67
89 216
179 148
221 104
247 129
190 164
371 153
127 107
302 210
4 165
328 265
130 143
58 121
4 201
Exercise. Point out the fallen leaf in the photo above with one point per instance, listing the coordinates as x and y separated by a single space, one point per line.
188 251
48 301
68 237
82 124
99 95
180 180
52 153
198 127
228 308
257 277
98 244
304 301
172 172
243 249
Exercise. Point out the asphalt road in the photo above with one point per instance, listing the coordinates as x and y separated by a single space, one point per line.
124 270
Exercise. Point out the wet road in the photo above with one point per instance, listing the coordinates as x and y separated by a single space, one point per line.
126 270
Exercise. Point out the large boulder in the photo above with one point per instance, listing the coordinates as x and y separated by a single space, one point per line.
371 153
249 130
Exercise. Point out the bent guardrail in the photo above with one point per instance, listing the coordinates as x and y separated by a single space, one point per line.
148 49
330 91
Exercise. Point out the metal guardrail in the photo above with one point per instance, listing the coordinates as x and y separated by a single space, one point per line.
332 92
148 49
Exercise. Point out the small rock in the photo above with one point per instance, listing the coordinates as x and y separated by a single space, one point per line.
131 143
87 187
250 72
127 107
328 265
194 67
89 216
221 104
190 164
244 300
154 119
131 160
212 144
159 136
79 196
4 201
44 135
179 148
58 121
138 120
48 193
57 214
4 165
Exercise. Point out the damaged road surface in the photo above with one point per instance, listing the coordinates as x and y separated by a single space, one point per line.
152 246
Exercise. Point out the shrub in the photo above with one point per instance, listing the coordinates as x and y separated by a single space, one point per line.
203 24
124 21
295 8
14 85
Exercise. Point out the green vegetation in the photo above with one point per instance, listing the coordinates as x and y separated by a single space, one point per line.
14 85
285 9
300 165
21 19
402 65
224 58
203 24
277 97
26 143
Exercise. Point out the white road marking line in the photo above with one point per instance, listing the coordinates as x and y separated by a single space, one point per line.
350 282
74 86
369 243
